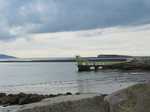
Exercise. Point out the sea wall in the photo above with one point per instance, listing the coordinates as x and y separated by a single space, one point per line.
72 103
132 99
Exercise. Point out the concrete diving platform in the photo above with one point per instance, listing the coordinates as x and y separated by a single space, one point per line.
84 64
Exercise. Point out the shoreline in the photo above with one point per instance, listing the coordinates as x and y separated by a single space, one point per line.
24 98
133 98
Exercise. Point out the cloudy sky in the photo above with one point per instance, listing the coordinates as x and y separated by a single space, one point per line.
49 28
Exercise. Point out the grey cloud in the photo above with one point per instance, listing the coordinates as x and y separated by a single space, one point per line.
21 17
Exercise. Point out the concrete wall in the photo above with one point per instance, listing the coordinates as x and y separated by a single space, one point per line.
75 103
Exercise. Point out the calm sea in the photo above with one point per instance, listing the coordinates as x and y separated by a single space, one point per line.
47 78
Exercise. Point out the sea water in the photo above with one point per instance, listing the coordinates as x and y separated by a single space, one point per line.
62 77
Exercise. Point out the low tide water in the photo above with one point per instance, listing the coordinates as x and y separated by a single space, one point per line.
53 78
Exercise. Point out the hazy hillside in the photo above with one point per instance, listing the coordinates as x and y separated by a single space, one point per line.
3 56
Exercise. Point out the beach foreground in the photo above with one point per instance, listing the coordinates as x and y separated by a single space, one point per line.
132 99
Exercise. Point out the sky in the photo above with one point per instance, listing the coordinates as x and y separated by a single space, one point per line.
64 28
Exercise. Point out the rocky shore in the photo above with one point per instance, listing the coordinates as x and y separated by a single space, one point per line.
22 98
132 99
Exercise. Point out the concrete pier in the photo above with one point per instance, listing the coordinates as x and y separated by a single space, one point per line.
131 63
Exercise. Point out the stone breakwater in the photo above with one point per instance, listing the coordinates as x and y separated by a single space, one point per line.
22 98
132 99
72 103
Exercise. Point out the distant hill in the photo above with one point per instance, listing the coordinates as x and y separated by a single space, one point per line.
3 56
